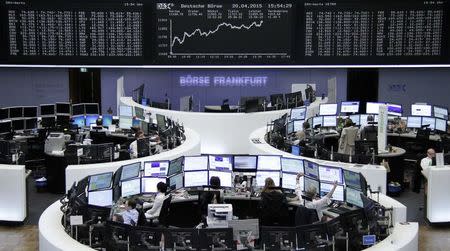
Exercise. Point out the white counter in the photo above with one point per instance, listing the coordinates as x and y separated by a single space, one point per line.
13 193
374 174
437 192
222 133
403 238
191 146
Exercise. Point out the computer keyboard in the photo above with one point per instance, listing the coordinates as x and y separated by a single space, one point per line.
339 210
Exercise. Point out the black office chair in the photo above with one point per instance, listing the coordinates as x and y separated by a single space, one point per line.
163 218
118 235
305 216
205 198
145 238
98 137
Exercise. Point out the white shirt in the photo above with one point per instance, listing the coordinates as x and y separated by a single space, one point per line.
129 215
133 150
153 213
426 162
318 204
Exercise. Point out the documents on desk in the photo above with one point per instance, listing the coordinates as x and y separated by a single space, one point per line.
219 215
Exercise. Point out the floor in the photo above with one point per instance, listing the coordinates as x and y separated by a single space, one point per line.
26 237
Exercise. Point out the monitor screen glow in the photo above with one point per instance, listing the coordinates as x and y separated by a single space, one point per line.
352 179
317 121
131 187
289 181
421 110
310 184
372 108
329 121
394 109
175 166
350 106
126 111
102 198
266 162
429 121
176 181
245 163
221 163
107 120
149 184
338 194
355 119
156 168
130 171
79 121
100 181
194 163
353 196
292 165
330 174
262 175
440 112
225 178
91 119
414 122
298 113
298 125
327 109
196 179
441 125
311 169
125 122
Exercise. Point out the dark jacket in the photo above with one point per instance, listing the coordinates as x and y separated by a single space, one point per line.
273 208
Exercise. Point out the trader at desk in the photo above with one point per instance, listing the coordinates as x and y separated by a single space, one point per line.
316 203
427 162
370 131
153 213
154 141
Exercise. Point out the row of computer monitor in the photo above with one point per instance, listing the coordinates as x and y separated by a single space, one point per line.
347 107
48 110
195 171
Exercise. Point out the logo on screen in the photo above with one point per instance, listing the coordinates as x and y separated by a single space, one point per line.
164 6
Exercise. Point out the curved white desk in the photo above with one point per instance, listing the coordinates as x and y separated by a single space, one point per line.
13 193
191 146
222 133
374 174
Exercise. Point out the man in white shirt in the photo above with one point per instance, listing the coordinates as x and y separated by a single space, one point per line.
133 146
130 215
317 203
153 213
427 161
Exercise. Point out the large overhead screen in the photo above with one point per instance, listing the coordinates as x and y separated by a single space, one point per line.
294 32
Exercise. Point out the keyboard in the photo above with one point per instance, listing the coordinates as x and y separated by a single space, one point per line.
339 210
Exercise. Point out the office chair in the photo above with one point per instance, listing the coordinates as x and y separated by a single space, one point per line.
163 218
145 238
305 216
119 236
98 137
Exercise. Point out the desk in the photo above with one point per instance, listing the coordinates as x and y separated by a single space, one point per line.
13 187
374 174
218 108
396 164
222 133
437 194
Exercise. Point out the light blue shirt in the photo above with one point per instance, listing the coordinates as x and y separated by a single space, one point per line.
130 215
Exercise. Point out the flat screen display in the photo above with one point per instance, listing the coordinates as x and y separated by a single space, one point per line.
311 184
394 109
196 179
338 194
355 119
221 163
79 121
441 125
149 184
91 108
245 163
47 110
292 165
350 107
414 122
175 181
125 122
18 124
267 162
194 163
421 110
440 112
429 121
317 121
289 181
372 108
330 174
130 171
327 109
298 113
311 169
102 198
126 111
329 121
78 109
4 113
352 179
107 120
175 166
131 187
298 125
91 119
353 196
225 178
30 111
156 168
262 175
5 127
63 108
30 124
100 181
16 112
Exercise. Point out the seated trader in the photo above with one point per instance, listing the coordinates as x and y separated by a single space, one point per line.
348 137
153 213
130 215
97 128
273 208
428 161
316 203
370 131
211 198
133 146
304 134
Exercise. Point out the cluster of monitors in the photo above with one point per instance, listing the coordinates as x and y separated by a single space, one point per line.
433 123
87 120
128 118
195 171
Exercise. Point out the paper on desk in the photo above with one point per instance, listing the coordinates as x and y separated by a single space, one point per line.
440 159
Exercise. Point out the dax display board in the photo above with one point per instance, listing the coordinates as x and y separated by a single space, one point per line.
287 32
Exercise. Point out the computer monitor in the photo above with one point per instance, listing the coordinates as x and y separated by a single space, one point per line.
225 178
292 165
355 119
62 120
183 239
327 109
373 107
91 108
78 109
48 122
47 109
100 181
16 112
329 121
317 121
107 120
338 194
310 184
298 113
245 163
289 181
221 163
4 113
63 108
103 198
278 238
421 110
79 121
91 119
18 125
126 111
290 127
269 163
429 121
175 181
31 124
131 187
156 168
125 122
440 112
136 123
262 175
295 150
414 122
353 197
311 169
441 125
352 179
149 184
139 112
130 171
194 163
5 126
349 106
30 111
298 125
175 166
394 109
161 121
330 174
363 119
196 179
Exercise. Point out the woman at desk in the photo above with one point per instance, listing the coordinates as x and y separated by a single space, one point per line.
316 203
273 208
153 213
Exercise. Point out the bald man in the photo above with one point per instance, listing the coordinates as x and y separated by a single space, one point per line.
427 161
